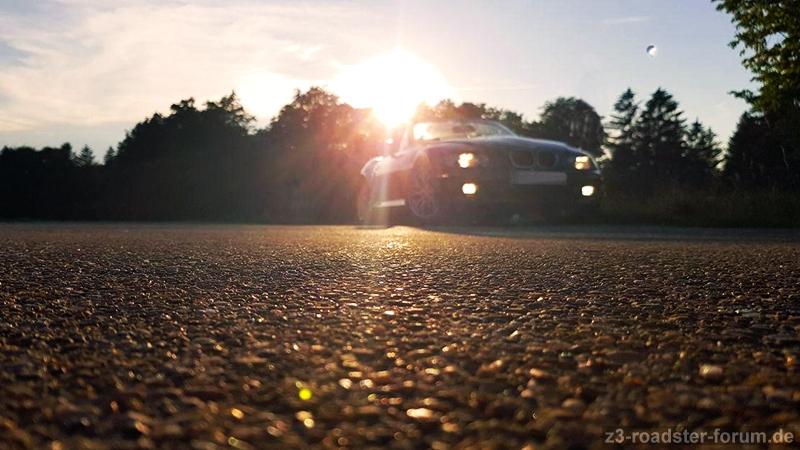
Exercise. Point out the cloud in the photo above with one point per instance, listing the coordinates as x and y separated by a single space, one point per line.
89 62
626 20
500 87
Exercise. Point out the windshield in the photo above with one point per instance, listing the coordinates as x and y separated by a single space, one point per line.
442 131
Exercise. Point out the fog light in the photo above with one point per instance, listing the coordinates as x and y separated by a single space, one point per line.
469 188
587 191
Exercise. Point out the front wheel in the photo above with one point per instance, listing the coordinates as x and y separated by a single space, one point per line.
423 200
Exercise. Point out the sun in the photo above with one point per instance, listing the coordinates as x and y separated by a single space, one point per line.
392 85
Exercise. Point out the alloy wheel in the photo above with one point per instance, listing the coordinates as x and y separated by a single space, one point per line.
422 201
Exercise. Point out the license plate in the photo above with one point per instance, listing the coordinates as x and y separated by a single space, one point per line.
540 178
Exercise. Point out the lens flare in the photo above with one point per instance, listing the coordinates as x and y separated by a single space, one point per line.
305 394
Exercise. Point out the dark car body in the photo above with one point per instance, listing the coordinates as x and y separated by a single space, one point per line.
510 174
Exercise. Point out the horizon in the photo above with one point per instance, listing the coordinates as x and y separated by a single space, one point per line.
99 69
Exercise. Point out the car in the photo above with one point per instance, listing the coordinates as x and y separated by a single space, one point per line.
437 171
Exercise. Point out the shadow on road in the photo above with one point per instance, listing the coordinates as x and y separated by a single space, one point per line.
627 233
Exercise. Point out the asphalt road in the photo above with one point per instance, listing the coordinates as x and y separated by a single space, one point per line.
175 336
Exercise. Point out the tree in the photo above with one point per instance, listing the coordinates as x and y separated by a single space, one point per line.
313 143
622 164
42 184
768 32
448 110
511 119
652 150
190 164
659 146
85 158
229 111
573 121
755 158
221 127
108 159
701 152
768 36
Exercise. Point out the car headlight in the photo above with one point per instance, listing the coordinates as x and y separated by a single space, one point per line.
467 160
583 163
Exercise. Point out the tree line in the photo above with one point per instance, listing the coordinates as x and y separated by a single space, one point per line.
210 163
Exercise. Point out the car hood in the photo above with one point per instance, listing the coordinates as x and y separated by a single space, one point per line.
513 143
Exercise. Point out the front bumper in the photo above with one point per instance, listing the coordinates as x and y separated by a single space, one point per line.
496 188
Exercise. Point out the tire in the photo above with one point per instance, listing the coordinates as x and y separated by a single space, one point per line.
423 199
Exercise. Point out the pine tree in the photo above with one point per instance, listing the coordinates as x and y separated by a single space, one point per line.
622 165
701 152
109 157
659 145
85 158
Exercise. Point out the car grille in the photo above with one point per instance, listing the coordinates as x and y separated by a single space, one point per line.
524 159
547 160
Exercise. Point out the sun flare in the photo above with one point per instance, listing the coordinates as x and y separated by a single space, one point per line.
392 85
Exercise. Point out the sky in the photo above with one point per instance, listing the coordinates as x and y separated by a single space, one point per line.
85 71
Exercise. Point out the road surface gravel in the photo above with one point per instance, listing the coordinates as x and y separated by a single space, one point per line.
216 336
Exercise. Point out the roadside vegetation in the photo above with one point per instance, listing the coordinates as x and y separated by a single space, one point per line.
209 162
721 208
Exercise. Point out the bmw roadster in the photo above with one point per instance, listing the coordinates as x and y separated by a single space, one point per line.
440 170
